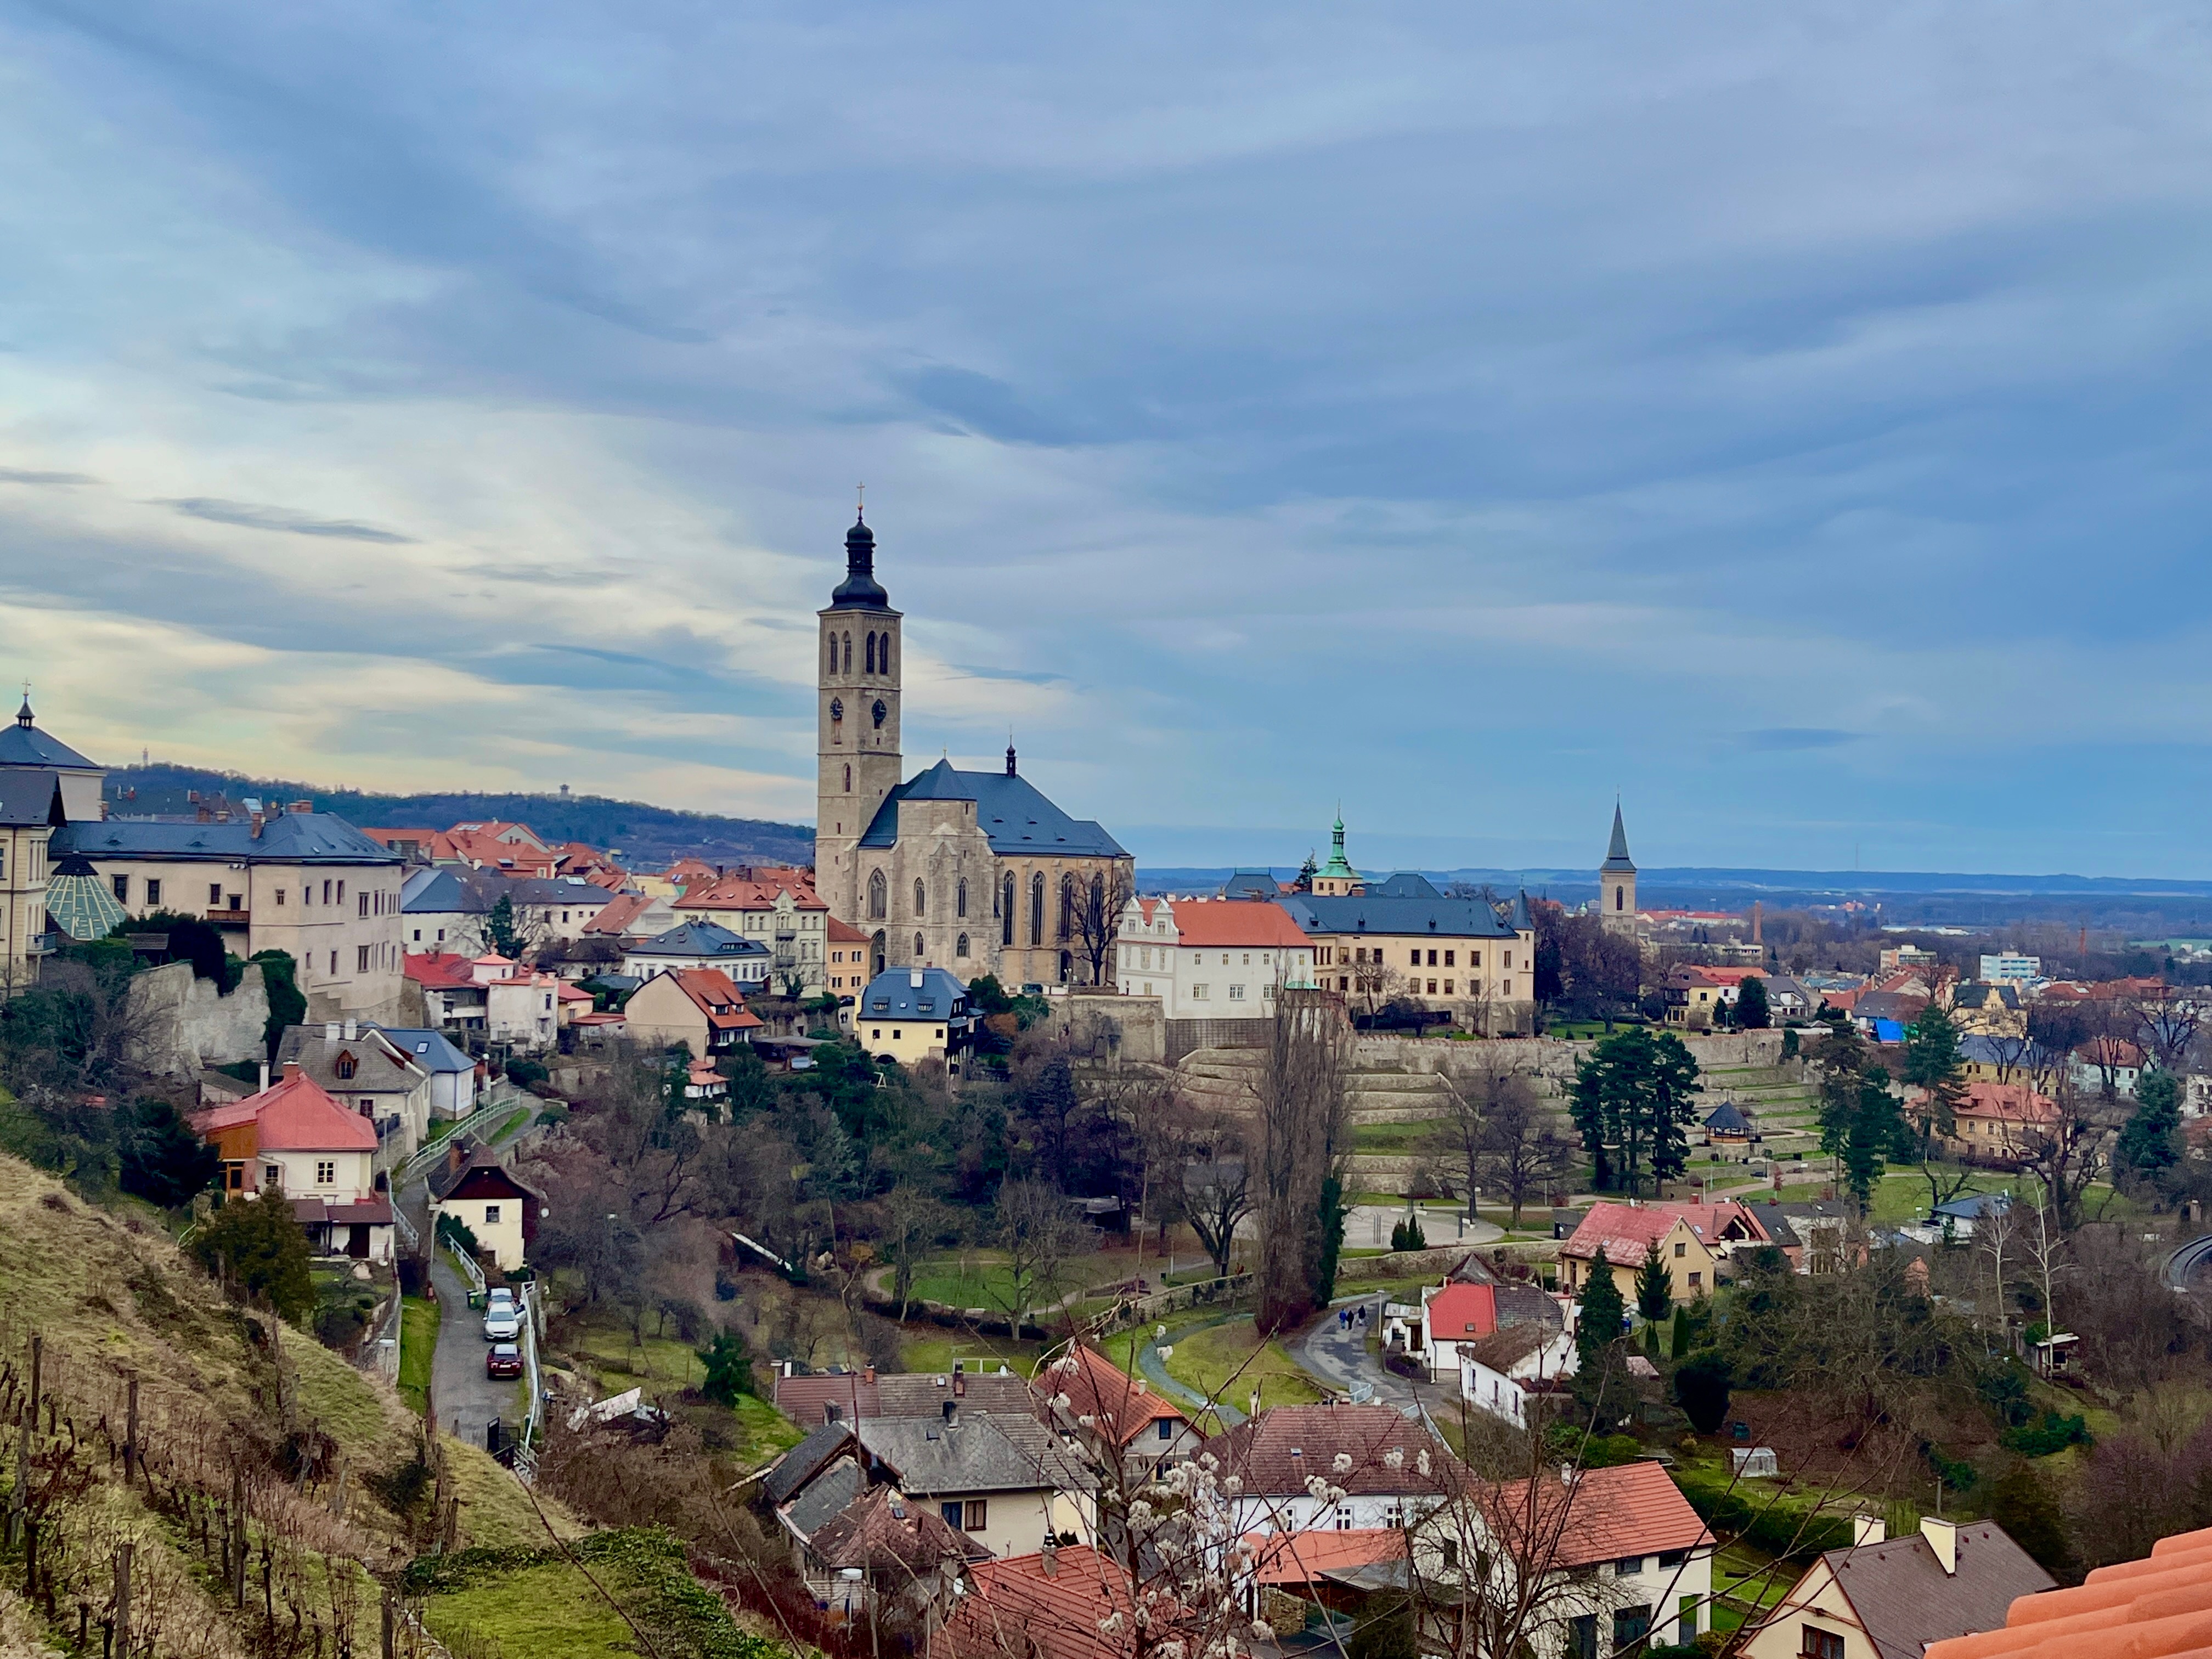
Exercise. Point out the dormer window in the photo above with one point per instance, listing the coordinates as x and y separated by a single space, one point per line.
347 1066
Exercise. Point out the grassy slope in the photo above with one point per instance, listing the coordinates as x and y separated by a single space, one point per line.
418 1349
603 1349
1225 1361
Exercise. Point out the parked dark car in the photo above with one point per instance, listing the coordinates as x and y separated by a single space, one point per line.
503 1359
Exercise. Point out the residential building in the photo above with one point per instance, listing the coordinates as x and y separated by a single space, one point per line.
1694 1240
2011 966
703 944
1005 1481
1789 1002
2108 1061
529 1010
1616 881
1628 1563
699 1008
630 919
811 1399
361 1068
775 906
1049 1604
974 871
442 913
454 1076
305 883
292 1142
1889 1598
1696 993
1987 1008
1120 1419
1503 1372
847 974
2141 1609
1897 958
2001 1125
913 1014
1276 1453
452 993
2006 1059
1210 958
483 1195
449 908
1458 956
887 1565
45 787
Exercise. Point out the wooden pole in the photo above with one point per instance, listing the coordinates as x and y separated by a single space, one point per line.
238 1534
123 1598
391 1627
38 1368
131 1435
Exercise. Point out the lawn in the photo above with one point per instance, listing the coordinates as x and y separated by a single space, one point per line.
1390 1136
418 1346
1225 1361
932 1348
666 1366
509 1126
550 1610
980 1279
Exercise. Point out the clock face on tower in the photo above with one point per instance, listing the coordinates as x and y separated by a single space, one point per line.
836 709
879 711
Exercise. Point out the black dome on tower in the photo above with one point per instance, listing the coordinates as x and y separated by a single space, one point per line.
860 586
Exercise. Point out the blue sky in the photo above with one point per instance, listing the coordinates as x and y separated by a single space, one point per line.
1794 419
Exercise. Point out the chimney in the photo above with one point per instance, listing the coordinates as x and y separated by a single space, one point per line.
1942 1537
1755 919
868 1375
256 832
351 1033
331 1032
959 1383
291 1070
1049 1556
1868 1530
265 1074
951 1413
301 807
914 979
453 1158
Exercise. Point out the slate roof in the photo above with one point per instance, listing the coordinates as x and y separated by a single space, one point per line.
24 745
1903 1599
375 1072
804 1461
898 1393
429 1049
892 995
29 798
984 1452
702 939
1013 814
1406 884
440 889
1251 884
1529 1305
1728 1119
1275 1452
1632 1508
2022 1053
289 838
1358 914
829 1496
1616 851
1976 994
2142 1609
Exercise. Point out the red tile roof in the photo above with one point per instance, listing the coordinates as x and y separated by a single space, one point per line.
1276 1452
2007 1102
1015 1606
616 916
1122 1406
1459 1310
438 969
1254 923
293 1115
840 933
714 995
1300 1558
1633 1509
2147 1609
755 888
1625 1230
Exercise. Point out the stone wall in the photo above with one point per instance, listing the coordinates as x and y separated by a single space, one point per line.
178 1023
1551 1059
1109 1026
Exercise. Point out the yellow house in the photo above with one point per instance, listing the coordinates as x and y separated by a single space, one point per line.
1695 1241
484 1197
912 1014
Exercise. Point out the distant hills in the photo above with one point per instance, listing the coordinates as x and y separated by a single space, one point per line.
647 837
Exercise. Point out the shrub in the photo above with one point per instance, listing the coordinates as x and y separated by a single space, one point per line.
280 979
255 1245
2054 1434
522 1074
729 1367
157 1158
1407 1235
1701 1382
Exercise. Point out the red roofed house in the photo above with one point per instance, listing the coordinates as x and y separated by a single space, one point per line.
1392 1470
774 905
452 993
293 1142
631 919
1694 1240
1118 1417
1629 1562
1694 992
1337 1569
2001 1125
700 1006
2146 1609
1210 958
1046 1606
849 971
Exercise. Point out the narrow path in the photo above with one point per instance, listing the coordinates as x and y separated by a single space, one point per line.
1338 1357
1156 1372
466 1399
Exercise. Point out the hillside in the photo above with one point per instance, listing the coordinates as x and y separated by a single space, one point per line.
648 836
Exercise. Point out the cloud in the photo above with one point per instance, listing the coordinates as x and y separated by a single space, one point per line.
247 515
17 475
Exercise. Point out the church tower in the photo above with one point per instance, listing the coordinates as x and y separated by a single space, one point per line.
859 654
1616 881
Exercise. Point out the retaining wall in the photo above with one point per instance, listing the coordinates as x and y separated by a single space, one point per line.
178 1023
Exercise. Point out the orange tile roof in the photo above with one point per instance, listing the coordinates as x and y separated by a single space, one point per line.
1241 922
1121 1405
1275 1453
718 997
1625 1230
1633 1509
2160 1608
438 970
2007 1102
293 1115
1300 1558
1459 1310
616 916
1015 1606
840 933
756 888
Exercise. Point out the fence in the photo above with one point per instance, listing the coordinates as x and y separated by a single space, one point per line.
533 1318
493 1109
470 1271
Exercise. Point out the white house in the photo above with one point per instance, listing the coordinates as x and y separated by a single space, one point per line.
1499 1373
1391 1470
453 1073
703 944
1210 958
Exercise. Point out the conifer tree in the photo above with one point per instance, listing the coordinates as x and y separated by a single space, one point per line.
1597 1324
1655 1291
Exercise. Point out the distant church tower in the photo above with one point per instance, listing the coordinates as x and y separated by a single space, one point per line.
860 655
1616 881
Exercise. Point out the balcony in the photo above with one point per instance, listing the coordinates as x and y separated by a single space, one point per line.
230 918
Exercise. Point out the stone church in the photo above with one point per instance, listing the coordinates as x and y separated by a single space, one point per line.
973 871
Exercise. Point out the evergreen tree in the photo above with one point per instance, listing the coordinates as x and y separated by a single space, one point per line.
1752 1013
1597 1324
1655 1291
1632 1101
729 1367
1874 1129
1407 1235
1789 1044
1932 1063
2023 1506
256 1244
2147 1140
157 1158
1701 1385
1678 1342
1332 1240
500 932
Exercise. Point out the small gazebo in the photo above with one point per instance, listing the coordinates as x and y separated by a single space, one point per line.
1727 1122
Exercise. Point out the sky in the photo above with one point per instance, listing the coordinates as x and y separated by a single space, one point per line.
1789 421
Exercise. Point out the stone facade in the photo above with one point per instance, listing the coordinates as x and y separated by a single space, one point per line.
177 1023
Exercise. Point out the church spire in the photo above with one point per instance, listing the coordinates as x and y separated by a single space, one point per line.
1616 853
860 587
23 715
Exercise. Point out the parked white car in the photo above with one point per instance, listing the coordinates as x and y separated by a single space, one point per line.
502 1320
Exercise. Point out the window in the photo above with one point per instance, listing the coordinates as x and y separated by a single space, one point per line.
1432 988
1680 1249
1416 960
1167 1428
491 1215
1237 993
153 890
1820 1644
1628 1563
1067 908
1686 1627
960 947
1037 908
872 653
849 777
279 904
960 902
347 1066
878 895
334 964
883 654
918 947
848 653
1198 993
122 886
361 958
1630 1627
1448 955
1582 1637
1448 987
326 892
1619 897
341 892
364 903
1696 1280
272 1175
949 1514
921 896
215 894
326 1172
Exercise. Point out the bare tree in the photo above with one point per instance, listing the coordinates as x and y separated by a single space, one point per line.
1093 921
1040 1238
914 1222
1373 979
1217 1197
2170 1019
1495 1133
2066 1150
1302 1138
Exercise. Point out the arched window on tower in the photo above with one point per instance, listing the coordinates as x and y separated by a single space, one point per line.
960 902
872 653
1005 903
833 653
883 654
849 777
960 948
1036 909
1620 898
917 947
878 895
920 894
848 653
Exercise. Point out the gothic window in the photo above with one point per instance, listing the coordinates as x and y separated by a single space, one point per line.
879 896
1036 909
872 653
960 902
849 777
920 894
884 655
1005 903
917 947
848 653
1066 906
960 947
1619 894
833 653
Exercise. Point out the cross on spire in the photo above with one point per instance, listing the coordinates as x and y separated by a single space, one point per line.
860 503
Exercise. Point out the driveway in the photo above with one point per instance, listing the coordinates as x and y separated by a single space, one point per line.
465 1398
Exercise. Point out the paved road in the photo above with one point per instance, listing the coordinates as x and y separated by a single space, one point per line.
1339 1357
2188 1262
1367 1227
466 1399
1156 1372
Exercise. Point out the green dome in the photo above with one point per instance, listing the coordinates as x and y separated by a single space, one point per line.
79 903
